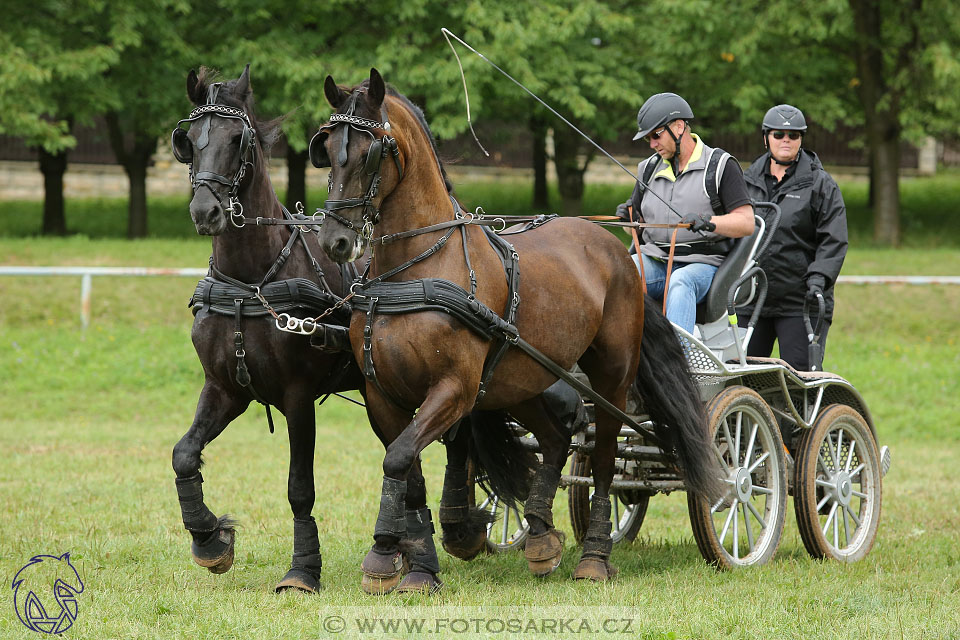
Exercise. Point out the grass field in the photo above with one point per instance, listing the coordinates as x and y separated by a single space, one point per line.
88 421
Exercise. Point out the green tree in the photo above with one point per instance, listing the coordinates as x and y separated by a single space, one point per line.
888 66
143 100
51 66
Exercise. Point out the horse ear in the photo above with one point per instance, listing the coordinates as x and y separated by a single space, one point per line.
377 89
335 95
193 87
242 88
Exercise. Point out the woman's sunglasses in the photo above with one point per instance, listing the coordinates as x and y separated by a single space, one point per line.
794 135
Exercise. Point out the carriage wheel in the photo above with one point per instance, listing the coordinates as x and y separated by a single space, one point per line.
508 529
628 509
744 527
837 490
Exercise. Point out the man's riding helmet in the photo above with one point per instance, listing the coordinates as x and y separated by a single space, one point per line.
660 109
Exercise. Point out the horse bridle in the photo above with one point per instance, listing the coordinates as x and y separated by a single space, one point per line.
379 149
183 150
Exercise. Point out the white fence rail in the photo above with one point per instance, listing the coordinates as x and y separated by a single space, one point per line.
86 278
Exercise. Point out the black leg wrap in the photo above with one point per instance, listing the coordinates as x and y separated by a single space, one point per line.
597 541
391 520
543 488
306 545
423 555
304 573
196 516
454 507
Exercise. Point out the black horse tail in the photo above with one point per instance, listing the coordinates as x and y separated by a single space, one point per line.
501 464
672 400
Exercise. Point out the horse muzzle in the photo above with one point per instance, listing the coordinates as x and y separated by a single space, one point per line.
208 215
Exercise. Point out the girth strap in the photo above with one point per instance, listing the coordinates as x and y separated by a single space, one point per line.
243 374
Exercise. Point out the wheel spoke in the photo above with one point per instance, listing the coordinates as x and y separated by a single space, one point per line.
493 513
723 463
836 460
836 529
719 503
749 452
505 535
736 460
855 472
746 524
616 514
822 502
833 512
852 515
846 532
756 514
726 525
760 460
853 445
826 449
757 488
824 483
726 432
736 532
859 494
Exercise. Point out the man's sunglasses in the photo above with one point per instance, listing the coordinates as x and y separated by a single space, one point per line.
655 135
794 135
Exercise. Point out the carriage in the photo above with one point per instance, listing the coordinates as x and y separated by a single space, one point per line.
777 432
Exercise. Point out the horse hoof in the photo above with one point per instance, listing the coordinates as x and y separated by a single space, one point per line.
382 573
466 548
543 552
420 582
299 579
595 569
216 555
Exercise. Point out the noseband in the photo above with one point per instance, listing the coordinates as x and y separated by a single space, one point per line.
183 150
379 149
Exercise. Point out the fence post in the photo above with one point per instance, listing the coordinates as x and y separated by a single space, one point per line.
85 285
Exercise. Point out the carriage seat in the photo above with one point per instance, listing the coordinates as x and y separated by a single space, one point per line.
740 258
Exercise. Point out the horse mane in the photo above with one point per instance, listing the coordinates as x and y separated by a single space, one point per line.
421 120
268 131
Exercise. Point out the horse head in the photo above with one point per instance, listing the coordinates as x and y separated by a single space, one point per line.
354 144
221 146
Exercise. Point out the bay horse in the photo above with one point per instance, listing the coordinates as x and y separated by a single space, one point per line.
427 334
255 272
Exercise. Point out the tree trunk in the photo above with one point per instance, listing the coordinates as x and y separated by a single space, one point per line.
134 158
53 166
296 178
566 144
538 127
881 105
886 184
136 170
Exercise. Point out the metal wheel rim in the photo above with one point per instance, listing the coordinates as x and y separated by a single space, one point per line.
745 520
846 490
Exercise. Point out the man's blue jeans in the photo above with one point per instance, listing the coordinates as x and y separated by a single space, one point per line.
688 286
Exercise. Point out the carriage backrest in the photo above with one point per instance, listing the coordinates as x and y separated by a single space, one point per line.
741 258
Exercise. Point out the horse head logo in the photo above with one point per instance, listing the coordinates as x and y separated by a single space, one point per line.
35 580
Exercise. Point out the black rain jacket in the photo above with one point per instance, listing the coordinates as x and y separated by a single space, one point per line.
811 239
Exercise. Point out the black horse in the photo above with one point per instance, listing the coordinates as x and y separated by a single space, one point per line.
256 274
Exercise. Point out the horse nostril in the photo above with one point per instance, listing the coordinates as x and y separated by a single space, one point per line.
341 246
